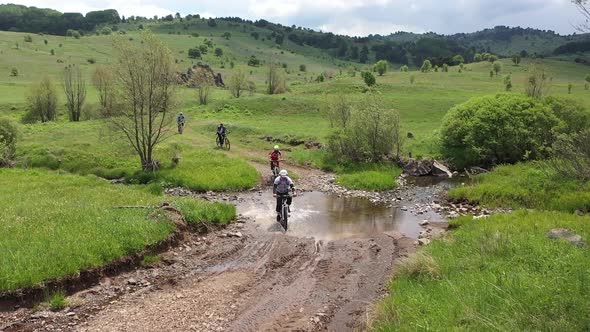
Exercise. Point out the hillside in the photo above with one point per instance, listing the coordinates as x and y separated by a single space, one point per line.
256 37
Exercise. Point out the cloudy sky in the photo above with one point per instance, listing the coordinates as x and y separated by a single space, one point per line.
354 17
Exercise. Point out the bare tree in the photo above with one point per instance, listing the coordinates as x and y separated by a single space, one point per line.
238 83
75 89
145 82
103 81
582 6
537 81
275 79
339 111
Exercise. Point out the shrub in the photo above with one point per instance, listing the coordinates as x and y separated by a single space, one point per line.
57 301
403 68
8 139
28 39
381 67
506 128
52 52
302 68
73 33
106 31
218 52
497 67
91 61
368 78
412 79
426 66
14 72
194 53
42 102
537 81
253 61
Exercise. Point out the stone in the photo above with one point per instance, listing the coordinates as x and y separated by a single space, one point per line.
234 234
424 222
565 234
439 169
423 242
131 281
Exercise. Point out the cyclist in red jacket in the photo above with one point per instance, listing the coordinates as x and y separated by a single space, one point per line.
275 158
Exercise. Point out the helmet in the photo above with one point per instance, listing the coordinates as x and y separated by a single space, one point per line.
221 124
276 148
181 113
283 173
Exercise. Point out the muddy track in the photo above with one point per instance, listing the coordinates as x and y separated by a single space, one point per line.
262 281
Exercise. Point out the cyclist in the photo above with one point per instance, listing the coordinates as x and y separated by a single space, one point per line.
181 121
280 190
275 157
221 132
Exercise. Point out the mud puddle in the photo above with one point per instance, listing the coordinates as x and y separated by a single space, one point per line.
325 216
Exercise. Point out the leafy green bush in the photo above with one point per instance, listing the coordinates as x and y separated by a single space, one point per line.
8 138
369 78
506 128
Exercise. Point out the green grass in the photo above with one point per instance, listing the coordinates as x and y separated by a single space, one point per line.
526 185
53 225
57 301
197 211
497 274
369 177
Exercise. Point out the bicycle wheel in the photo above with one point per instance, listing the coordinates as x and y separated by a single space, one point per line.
218 142
284 216
226 144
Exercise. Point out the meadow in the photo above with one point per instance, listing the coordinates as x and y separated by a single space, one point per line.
499 273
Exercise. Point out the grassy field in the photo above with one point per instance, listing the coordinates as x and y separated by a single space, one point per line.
55 224
497 274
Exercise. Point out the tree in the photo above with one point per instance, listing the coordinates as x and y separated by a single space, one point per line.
203 49
404 68
569 88
302 68
445 68
537 82
194 53
42 101
45 41
52 52
426 66
28 39
477 57
582 6
75 89
369 78
381 67
14 72
253 61
412 79
492 73
106 31
516 59
211 23
339 111
103 81
492 58
146 81
458 59
275 79
218 52
508 82
238 83
497 68
364 55
226 35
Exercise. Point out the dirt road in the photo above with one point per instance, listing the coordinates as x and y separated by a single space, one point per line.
243 278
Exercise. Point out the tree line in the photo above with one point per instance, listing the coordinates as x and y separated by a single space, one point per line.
38 20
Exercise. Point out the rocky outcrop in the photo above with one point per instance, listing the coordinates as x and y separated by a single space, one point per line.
201 73
423 167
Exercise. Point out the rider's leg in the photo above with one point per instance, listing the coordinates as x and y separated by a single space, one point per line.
279 203
289 201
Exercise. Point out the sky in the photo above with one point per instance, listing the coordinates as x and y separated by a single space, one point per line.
354 17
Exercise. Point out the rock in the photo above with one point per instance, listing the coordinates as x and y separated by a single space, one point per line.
234 234
423 242
71 314
424 222
416 167
131 281
562 233
439 169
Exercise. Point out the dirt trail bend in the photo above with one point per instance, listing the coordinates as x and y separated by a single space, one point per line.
264 282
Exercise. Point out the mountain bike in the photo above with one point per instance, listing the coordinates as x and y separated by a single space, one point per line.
223 143
180 127
275 168
284 214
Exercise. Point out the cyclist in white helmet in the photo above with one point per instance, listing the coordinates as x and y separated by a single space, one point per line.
282 184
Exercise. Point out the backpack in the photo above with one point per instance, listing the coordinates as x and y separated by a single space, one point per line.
283 186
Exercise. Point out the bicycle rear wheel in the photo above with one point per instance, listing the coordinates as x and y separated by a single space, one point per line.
227 144
218 142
